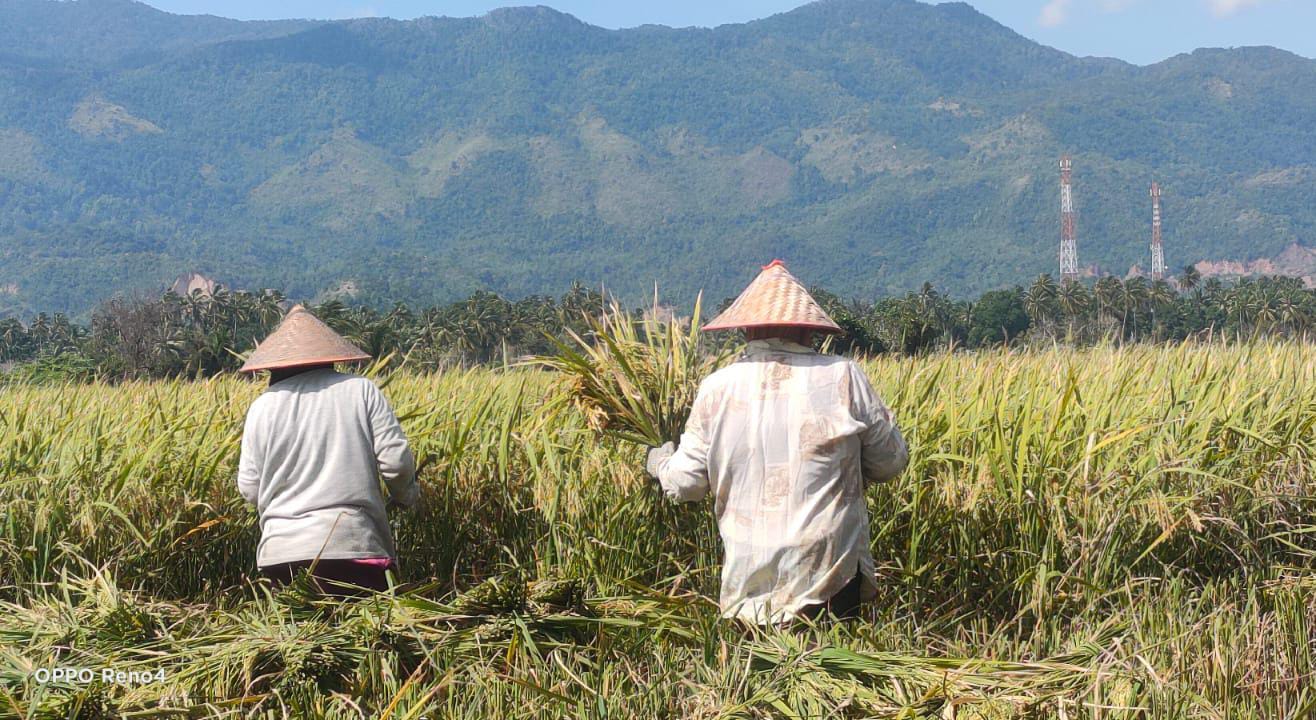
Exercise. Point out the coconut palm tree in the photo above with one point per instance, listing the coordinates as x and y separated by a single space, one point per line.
1240 303
1292 315
1160 299
1161 293
1107 291
1133 297
13 340
1074 301
932 315
1265 312
1040 302
1189 278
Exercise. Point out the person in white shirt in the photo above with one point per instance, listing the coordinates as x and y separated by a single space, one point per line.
315 448
785 439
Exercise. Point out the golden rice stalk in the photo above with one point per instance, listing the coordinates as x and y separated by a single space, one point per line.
635 378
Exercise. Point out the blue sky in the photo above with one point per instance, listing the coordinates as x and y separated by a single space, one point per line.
1140 31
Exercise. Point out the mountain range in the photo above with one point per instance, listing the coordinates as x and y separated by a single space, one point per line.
872 144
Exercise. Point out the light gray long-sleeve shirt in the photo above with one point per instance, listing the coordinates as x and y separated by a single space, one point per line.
785 439
314 450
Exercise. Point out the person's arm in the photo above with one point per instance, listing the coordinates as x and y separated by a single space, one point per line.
397 466
884 453
683 473
250 459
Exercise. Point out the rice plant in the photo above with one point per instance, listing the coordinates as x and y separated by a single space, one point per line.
1107 533
636 379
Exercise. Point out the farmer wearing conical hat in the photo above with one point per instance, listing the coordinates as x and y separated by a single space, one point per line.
785 439
315 447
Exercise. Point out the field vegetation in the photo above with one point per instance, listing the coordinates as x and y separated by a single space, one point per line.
1100 533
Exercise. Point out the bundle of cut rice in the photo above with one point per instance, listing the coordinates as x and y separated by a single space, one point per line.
635 378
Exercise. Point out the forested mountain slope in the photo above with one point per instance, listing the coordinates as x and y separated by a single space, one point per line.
873 144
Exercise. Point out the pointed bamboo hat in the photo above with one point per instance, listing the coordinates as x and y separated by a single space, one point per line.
774 299
299 340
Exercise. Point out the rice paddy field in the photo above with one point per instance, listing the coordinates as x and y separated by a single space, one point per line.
1105 533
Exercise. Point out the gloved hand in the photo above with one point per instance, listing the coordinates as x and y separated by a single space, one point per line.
658 458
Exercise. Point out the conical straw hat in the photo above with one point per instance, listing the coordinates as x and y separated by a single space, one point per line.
301 339
774 299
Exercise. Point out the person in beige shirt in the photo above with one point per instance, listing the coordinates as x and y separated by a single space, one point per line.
785 439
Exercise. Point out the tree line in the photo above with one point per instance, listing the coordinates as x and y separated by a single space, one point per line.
201 335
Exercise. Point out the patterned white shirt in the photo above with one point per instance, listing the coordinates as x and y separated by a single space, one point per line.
786 440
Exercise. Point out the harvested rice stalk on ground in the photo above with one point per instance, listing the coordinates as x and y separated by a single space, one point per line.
495 596
893 684
635 379
553 595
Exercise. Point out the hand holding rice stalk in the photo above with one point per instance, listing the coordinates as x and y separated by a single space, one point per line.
636 379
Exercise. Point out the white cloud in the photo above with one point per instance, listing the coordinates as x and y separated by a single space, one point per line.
1225 8
1114 6
1054 13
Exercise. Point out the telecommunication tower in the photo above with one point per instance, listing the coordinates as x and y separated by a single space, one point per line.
1068 235
1157 250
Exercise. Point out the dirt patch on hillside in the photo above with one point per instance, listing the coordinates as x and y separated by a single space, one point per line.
1280 177
953 107
101 119
1219 89
1295 261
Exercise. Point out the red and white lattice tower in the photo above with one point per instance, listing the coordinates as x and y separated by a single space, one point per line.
1157 250
1068 235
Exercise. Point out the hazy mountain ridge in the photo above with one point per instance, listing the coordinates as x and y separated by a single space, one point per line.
100 32
872 143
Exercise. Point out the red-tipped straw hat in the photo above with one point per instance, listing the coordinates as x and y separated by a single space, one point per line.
300 340
774 299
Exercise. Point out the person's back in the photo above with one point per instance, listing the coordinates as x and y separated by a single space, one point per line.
787 439
315 447
314 450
